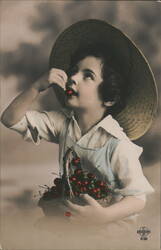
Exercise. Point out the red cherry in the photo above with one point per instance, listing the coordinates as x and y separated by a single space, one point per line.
94 190
91 176
100 183
76 161
69 91
83 189
85 183
73 178
98 196
78 171
79 182
68 214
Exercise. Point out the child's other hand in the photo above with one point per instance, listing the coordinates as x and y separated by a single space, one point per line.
92 213
57 76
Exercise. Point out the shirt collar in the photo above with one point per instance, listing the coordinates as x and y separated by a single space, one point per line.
108 123
67 112
112 127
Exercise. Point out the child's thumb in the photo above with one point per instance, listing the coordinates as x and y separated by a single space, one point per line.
91 201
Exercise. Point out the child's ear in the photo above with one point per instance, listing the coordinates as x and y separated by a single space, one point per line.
109 103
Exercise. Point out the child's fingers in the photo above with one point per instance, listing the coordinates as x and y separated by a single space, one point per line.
74 207
90 201
55 77
60 72
57 80
63 75
53 72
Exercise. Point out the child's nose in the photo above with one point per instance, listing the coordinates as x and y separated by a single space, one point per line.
70 82
75 79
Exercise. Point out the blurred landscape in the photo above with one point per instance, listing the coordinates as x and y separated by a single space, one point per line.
28 31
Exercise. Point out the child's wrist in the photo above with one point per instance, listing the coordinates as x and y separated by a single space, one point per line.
35 89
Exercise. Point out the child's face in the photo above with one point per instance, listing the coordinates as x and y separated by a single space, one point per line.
85 79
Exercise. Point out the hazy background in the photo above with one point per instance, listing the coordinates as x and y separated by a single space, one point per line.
27 33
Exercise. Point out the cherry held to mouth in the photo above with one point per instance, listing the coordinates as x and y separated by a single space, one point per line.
69 92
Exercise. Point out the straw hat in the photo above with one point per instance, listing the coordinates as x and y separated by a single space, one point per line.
141 106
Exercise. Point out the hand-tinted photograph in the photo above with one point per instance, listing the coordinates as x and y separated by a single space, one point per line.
80 125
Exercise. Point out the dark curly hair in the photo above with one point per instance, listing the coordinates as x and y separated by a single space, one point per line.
113 87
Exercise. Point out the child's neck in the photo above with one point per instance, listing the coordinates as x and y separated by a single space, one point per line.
87 119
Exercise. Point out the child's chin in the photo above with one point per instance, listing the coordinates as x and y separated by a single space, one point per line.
70 103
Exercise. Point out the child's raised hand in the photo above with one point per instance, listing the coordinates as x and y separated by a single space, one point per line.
57 76
92 213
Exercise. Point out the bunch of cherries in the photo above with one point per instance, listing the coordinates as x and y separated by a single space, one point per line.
80 182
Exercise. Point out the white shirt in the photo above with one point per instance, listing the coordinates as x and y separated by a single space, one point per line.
124 163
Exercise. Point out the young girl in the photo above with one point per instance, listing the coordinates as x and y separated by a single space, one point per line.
106 82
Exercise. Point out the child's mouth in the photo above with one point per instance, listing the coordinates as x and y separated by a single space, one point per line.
70 92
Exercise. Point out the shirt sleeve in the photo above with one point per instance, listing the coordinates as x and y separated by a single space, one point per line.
36 125
128 171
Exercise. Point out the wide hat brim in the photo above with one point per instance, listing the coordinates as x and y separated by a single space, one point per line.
136 118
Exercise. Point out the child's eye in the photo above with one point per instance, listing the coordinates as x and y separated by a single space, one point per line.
88 76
